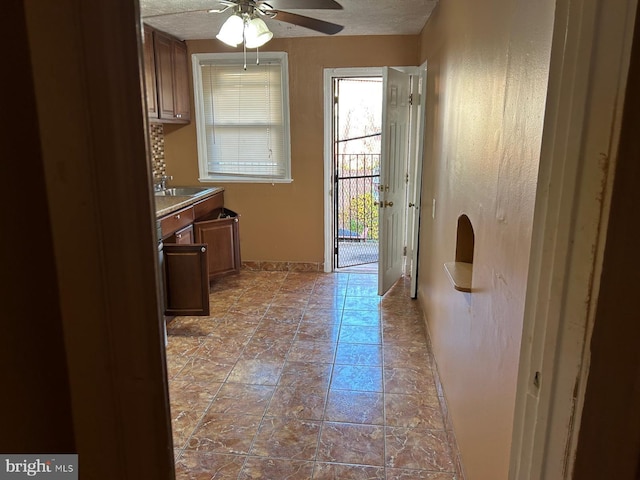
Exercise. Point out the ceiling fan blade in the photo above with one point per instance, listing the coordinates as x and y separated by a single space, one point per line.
303 4
174 13
308 22
223 6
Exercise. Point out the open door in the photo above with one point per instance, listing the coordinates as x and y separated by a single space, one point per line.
416 153
393 176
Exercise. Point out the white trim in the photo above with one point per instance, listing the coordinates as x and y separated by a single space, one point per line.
329 75
236 59
245 180
415 172
589 66
415 142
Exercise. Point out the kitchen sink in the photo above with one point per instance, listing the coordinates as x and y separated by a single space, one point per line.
182 192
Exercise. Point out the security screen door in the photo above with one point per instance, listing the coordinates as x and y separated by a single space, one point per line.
357 121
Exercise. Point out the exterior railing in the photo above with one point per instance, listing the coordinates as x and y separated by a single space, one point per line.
357 225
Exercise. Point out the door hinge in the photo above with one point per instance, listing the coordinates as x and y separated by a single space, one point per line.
404 251
406 179
335 250
411 99
414 97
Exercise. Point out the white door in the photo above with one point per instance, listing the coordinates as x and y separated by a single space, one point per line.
393 176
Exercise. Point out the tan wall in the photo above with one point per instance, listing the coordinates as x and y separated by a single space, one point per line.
284 222
487 80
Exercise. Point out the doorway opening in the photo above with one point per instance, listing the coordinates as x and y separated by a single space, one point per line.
356 151
363 220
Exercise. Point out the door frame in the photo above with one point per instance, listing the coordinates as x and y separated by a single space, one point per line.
416 144
414 189
89 93
587 80
329 75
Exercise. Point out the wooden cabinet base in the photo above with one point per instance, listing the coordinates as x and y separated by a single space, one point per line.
224 246
186 270
188 267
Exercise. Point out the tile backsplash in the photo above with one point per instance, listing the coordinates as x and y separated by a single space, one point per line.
158 165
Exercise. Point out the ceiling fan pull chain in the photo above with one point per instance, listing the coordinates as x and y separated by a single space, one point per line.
244 49
257 55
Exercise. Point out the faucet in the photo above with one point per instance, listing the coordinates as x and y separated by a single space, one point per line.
162 185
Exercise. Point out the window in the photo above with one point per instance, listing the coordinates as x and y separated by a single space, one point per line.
242 118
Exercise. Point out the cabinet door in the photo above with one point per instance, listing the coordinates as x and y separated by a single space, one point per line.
182 107
222 237
164 70
184 236
150 72
186 279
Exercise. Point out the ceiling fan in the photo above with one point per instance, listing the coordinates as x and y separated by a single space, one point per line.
246 24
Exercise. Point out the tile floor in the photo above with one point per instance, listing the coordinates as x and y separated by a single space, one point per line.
306 375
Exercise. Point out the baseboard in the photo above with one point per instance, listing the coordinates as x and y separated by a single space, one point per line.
283 266
448 424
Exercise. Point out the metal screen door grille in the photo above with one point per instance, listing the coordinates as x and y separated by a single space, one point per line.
356 150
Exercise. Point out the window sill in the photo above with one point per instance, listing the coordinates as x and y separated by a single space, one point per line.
219 180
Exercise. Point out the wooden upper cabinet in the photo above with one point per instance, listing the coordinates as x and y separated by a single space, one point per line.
164 71
182 108
172 79
150 72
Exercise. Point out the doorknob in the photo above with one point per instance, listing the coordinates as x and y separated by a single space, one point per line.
388 204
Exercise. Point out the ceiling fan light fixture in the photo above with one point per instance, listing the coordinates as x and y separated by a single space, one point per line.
232 31
257 33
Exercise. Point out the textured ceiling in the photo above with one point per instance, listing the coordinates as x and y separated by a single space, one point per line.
359 17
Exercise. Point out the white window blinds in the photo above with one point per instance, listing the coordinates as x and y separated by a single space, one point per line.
244 132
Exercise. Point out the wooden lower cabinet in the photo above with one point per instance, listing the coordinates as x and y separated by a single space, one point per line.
184 236
222 236
186 279
188 267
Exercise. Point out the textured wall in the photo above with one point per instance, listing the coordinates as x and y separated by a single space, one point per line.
488 64
284 222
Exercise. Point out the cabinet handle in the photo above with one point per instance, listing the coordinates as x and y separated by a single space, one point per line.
178 217
203 249
178 115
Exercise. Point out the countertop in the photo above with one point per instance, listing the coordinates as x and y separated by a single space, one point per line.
167 205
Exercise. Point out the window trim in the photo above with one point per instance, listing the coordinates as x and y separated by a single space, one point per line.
238 59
